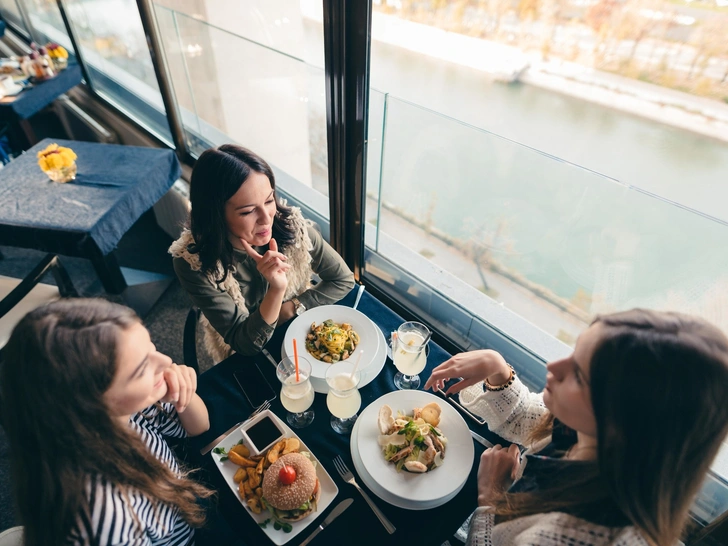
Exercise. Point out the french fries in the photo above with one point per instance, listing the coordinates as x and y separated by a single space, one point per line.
249 475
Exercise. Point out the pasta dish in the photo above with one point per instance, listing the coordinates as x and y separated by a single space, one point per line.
331 342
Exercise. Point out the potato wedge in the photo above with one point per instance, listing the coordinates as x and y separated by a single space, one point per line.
254 504
256 458
259 492
241 475
248 491
292 446
241 450
254 478
241 490
239 460
274 452
259 467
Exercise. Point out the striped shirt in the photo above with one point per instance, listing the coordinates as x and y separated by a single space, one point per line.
119 517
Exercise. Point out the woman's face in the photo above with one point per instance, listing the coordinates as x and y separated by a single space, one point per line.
567 393
249 213
139 379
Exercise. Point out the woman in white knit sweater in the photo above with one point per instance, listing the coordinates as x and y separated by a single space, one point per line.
619 441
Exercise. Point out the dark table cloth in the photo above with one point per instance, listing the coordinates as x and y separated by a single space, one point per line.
34 99
114 186
358 525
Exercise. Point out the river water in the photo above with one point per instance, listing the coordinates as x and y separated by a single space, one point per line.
542 182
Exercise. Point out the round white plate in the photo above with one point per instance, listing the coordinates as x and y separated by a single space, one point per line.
417 490
371 342
407 504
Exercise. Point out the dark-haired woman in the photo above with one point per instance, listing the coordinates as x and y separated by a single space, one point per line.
87 403
619 441
247 259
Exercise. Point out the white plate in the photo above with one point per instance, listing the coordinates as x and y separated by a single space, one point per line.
372 342
405 489
407 504
228 469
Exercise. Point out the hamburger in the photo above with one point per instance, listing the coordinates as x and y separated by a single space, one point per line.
290 487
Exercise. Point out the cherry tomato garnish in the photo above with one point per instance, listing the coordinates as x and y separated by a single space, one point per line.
287 475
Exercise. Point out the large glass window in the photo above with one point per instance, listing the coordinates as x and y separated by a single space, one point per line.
553 158
113 45
11 13
249 72
46 23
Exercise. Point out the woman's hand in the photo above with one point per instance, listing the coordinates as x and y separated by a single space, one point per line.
181 386
472 366
272 265
498 468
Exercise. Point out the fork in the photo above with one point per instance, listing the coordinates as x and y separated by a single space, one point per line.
205 450
348 477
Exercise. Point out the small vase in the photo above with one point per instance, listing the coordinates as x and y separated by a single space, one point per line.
64 174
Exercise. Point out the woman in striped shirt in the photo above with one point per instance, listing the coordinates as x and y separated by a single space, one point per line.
87 402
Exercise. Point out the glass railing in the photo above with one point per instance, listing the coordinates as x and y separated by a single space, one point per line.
553 242
232 89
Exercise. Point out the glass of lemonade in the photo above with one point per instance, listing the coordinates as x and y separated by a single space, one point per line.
408 353
343 399
296 396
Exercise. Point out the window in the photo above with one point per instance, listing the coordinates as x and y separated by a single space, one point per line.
46 23
252 73
113 46
11 13
501 173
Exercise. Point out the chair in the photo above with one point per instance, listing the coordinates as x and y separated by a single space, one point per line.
189 340
18 297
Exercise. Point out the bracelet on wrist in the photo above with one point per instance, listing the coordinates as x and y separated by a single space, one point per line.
495 388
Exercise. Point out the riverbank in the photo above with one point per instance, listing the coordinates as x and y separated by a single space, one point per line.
674 108
689 112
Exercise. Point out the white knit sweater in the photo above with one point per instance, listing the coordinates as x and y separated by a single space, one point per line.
512 414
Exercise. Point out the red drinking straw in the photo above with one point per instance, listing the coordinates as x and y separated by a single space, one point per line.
295 357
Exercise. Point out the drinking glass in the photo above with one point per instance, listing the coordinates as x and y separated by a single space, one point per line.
343 399
296 396
408 353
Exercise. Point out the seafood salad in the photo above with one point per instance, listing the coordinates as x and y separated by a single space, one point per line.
412 442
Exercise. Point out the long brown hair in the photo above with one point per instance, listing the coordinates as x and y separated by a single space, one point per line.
58 363
658 383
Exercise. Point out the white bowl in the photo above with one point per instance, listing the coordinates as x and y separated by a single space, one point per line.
405 489
370 339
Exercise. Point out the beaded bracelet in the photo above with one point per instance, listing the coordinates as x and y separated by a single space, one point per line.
505 385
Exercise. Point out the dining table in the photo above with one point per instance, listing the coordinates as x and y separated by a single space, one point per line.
88 216
358 524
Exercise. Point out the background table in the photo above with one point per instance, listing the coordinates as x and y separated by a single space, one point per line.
33 99
227 406
86 218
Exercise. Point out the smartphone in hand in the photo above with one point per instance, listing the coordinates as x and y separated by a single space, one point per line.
254 385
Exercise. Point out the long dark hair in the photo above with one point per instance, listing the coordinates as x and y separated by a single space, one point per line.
216 177
58 363
658 384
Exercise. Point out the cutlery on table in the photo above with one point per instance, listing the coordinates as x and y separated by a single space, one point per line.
335 513
348 477
269 357
358 295
205 450
461 408
478 438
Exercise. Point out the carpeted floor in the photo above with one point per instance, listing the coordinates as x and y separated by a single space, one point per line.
143 247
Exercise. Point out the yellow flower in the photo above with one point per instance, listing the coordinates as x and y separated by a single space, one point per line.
55 157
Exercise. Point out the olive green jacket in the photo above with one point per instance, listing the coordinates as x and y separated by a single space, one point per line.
239 323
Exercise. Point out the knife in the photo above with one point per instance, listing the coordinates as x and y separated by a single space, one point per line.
269 357
478 438
335 513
